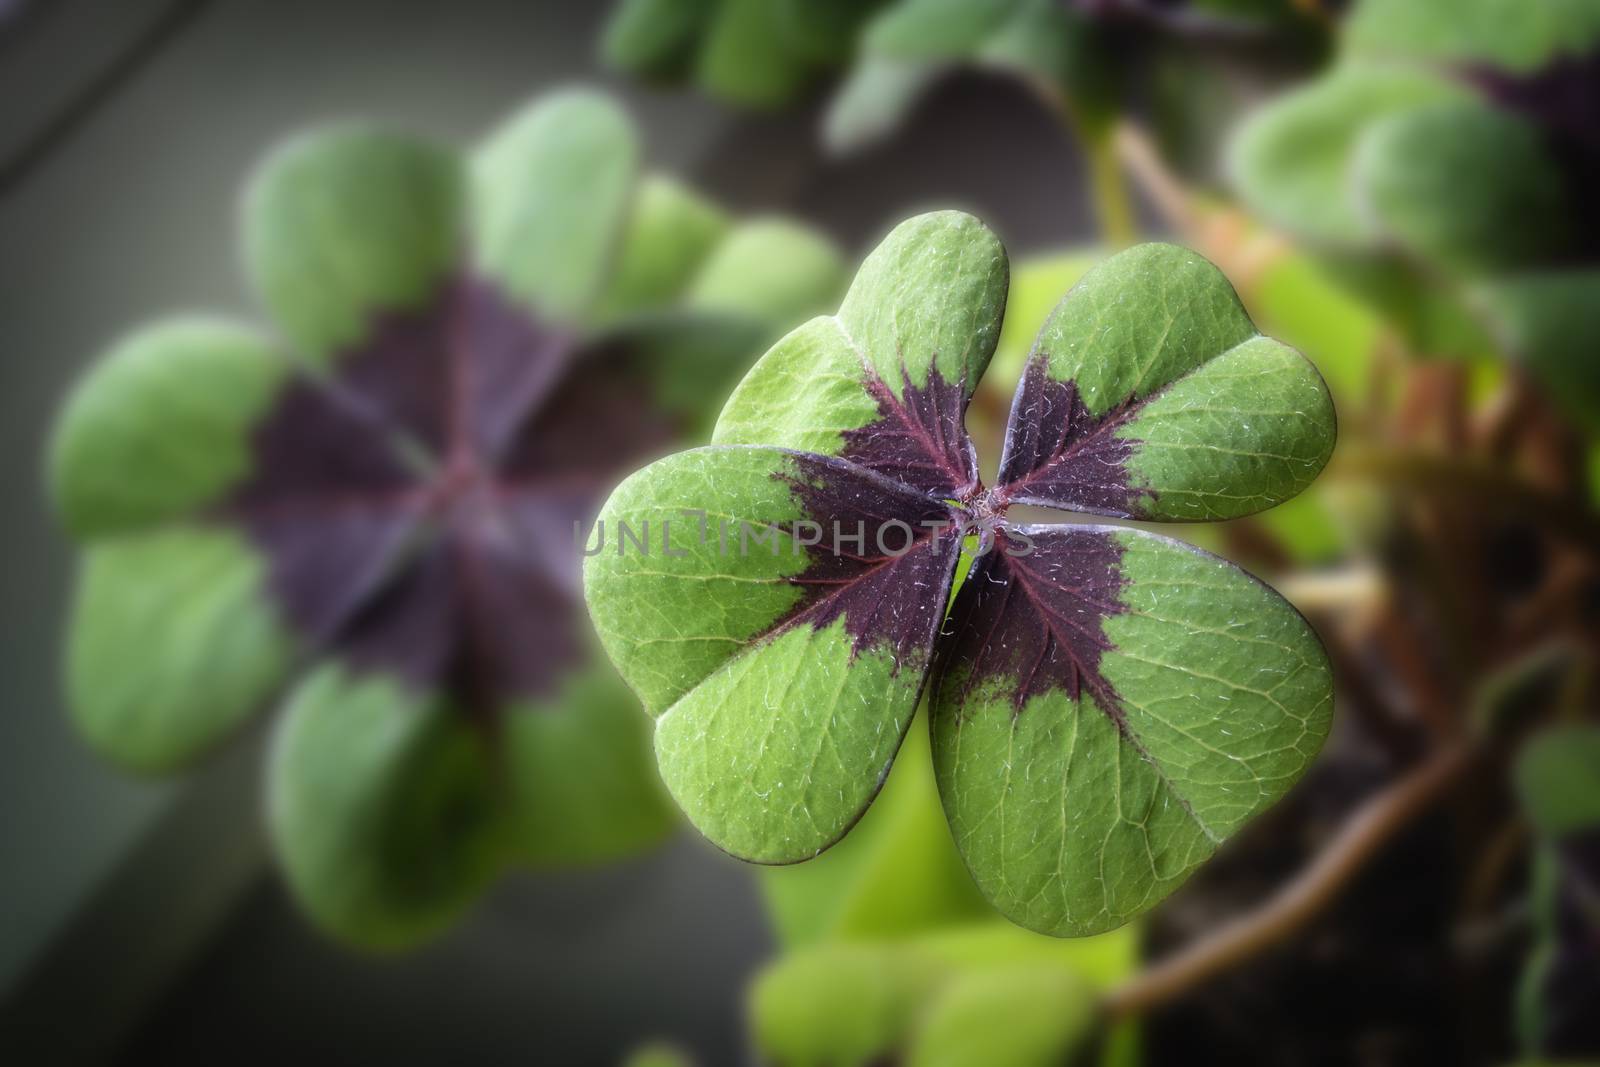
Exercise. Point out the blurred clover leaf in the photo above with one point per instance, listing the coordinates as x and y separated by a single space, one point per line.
766 53
1446 165
1073 52
1075 55
983 993
1558 780
758 53
1107 705
372 521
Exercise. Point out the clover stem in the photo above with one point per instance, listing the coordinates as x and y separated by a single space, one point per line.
1373 825
1145 167
1108 188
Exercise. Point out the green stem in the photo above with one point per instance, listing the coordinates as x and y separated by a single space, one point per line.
1108 187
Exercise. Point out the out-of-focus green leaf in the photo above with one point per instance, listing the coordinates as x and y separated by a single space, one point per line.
983 993
583 787
551 191
1294 160
756 280
1515 34
747 59
1101 960
1017 1017
695 295
171 644
946 30
875 97
755 53
244 512
824 31
1047 45
1441 209
671 231
772 270
1558 780
692 360
343 223
655 38
1307 528
1465 187
1551 322
383 807
160 426
1432 317
839 1005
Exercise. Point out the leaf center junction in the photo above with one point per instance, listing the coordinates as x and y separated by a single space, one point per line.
415 505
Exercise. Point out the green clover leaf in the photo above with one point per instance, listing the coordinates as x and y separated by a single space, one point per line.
1557 776
914 44
1375 159
1513 34
769 53
1439 133
982 992
373 521
1073 52
1444 167
757 53
1107 705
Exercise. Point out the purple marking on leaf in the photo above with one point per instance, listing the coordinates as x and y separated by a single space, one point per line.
459 374
328 500
890 586
473 615
416 510
515 365
315 445
1058 454
598 424
343 554
1035 623
919 437
1562 97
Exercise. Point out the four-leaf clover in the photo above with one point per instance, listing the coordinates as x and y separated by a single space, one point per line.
373 520
1107 704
